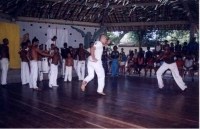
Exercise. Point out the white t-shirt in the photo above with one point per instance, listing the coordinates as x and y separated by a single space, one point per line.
49 42
158 47
188 63
98 51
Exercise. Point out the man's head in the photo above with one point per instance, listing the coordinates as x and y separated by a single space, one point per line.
81 46
148 48
5 41
122 49
69 55
91 44
54 38
52 46
41 46
185 43
115 48
65 45
28 43
70 48
135 50
166 50
158 43
35 41
172 44
56 49
193 39
166 41
103 38
24 45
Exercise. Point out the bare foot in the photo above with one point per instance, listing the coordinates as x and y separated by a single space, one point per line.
37 89
102 93
83 85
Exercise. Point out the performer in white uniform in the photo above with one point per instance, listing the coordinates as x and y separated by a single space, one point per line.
25 72
40 71
64 52
95 64
49 42
169 63
82 56
33 56
5 56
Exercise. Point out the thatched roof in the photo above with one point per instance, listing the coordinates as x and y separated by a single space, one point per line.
118 15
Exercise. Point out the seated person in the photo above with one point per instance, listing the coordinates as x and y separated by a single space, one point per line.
180 64
140 63
188 65
149 65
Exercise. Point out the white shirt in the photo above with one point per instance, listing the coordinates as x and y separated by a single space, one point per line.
98 51
158 47
49 42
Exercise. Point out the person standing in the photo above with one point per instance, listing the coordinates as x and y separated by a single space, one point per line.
5 57
82 55
24 64
69 65
95 64
54 68
49 42
169 63
33 56
40 72
114 65
105 61
64 53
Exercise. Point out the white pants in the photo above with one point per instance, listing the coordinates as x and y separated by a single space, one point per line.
24 73
98 68
81 70
68 73
4 68
53 75
63 68
40 72
75 65
34 74
175 73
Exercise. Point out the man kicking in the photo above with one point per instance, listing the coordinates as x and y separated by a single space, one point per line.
169 63
95 64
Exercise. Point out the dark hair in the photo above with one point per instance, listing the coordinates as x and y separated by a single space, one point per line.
69 53
4 40
54 37
34 40
56 48
91 43
70 47
52 44
28 41
65 44
23 44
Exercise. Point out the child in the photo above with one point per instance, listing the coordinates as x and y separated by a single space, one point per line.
123 62
69 62
24 64
54 68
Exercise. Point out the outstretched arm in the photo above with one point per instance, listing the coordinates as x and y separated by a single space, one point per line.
44 54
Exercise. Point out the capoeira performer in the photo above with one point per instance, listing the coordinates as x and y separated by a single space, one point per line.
82 55
49 42
5 57
40 72
95 64
54 68
169 63
69 65
64 52
33 56
25 73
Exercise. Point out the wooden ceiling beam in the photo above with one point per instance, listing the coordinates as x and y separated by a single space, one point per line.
19 9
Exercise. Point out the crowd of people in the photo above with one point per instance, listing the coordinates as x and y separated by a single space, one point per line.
177 58
186 58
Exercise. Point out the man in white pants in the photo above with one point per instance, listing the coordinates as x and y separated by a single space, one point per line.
82 55
40 72
64 52
169 63
33 56
4 61
25 72
95 64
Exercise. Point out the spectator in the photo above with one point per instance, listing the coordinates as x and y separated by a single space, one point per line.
184 48
172 47
178 47
193 46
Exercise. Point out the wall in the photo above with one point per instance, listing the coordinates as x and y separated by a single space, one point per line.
40 31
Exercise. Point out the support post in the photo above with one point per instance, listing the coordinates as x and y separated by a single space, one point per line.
192 30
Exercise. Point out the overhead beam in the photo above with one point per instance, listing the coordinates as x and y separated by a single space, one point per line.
54 21
4 15
147 23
